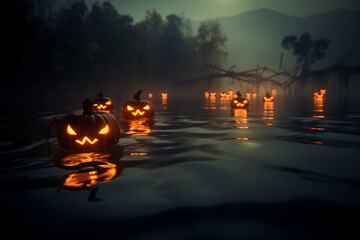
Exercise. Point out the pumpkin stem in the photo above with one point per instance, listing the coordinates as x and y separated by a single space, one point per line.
100 95
87 107
137 95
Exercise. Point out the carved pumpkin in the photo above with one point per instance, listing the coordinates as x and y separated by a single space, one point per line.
268 99
240 103
137 109
88 131
101 103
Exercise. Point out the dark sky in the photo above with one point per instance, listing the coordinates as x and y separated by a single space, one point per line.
210 9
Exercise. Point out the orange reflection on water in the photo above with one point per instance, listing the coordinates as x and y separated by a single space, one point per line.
224 102
268 110
138 127
239 112
242 120
139 154
91 168
319 98
244 139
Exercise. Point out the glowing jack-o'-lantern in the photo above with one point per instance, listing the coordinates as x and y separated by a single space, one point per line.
137 109
87 130
223 94
101 103
320 94
239 103
268 99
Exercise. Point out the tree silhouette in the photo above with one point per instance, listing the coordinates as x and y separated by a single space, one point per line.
306 50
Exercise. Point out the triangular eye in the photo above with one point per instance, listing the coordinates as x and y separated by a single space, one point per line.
129 108
235 101
147 107
105 130
70 131
108 102
245 101
95 105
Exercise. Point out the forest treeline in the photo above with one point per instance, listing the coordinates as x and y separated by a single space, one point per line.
86 45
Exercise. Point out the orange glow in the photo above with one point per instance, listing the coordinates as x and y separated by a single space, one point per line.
105 130
212 99
253 95
241 120
244 139
138 112
139 127
88 175
273 92
86 139
315 116
319 98
207 95
129 108
268 111
212 94
245 127
268 99
240 104
235 95
164 99
241 113
248 95
231 94
99 107
223 94
150 95
108 102
318 129
320 94
139 154
320 143
147 107
268 107
70 130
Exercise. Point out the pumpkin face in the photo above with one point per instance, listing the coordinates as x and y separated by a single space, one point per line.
268 99
101 103
88 131
239 103
137 109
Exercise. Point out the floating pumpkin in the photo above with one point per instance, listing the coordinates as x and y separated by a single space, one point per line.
268 99
102 103
223 94
87 130
240 103
137 108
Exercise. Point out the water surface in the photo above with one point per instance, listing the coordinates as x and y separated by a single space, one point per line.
197 169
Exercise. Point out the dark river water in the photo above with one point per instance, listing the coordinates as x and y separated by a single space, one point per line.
194 171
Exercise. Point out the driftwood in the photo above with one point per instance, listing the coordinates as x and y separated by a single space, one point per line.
283 79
